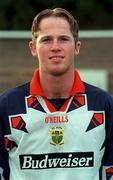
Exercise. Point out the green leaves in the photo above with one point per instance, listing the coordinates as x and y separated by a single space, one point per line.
18 15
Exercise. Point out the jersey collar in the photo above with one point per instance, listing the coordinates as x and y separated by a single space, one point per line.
35 88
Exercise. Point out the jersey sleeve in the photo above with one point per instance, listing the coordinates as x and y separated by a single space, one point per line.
107 163
4 162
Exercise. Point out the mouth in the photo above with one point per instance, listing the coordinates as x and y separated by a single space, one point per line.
56 57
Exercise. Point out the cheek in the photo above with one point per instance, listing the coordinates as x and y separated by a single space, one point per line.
41 52
70 51
41 49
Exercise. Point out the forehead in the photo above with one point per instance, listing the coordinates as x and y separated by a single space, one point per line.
54 24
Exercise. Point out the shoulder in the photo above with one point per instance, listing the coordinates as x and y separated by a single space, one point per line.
20 90
96 91
12 97
98 96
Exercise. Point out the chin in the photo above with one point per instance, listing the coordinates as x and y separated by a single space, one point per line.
57 72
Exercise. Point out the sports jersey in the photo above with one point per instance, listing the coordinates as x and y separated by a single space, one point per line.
39 141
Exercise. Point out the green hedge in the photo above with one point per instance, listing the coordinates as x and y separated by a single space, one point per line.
91 14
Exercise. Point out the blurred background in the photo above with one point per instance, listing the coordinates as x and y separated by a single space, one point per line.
95 19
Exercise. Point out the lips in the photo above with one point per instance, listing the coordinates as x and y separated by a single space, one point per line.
56 57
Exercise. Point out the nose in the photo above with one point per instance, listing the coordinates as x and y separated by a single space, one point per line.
55 45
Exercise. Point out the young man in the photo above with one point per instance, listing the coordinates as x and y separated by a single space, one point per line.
56 126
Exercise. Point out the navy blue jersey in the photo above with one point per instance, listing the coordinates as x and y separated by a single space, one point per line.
41 139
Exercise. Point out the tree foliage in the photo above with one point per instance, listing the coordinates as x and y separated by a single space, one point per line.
94 14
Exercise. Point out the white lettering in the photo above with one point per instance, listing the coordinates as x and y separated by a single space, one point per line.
35 164
53 162
87 161
74 162
27 162
69 160
63 162
82 161
43 163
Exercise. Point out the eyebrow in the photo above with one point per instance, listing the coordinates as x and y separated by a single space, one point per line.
51 37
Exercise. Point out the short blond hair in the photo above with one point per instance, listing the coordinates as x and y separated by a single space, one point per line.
57 12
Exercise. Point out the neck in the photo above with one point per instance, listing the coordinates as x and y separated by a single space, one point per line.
57 86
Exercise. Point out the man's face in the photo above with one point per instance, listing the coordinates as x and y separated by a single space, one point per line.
55 46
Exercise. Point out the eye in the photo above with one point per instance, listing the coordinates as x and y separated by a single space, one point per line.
46 40
64 39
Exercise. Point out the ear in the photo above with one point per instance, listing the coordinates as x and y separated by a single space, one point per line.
77 47
32 48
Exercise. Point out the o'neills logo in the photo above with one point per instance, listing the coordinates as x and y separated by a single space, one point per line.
56 119
57 160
